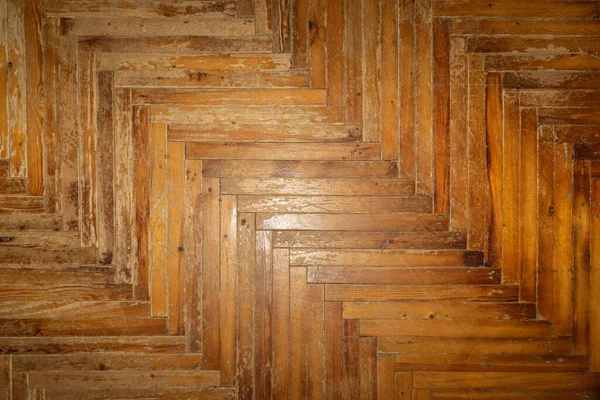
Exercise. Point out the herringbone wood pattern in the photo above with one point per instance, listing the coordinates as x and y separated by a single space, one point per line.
272 199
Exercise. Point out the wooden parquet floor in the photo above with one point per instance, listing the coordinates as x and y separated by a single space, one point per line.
308 199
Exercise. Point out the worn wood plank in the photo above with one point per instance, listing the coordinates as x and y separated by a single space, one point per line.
317 38
263 306
594 277
34 93
353 100
334 330
139 8
515 8
228 290
300 34
298 333
371 56
246 249
390 94
335 52
281 323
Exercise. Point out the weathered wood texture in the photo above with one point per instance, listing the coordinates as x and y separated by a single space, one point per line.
309 199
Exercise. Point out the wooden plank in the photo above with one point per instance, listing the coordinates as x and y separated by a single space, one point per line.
506 395
263 17
176 45
493 189
334 204
24 204
352 222
385 377
563 239
439 310
86 309
571 62
315 339
299 169
370 240
528 205
581 257
40 239
421 345
125 241
83 327
138 8
487 293
317 31
88 168
193 255
586 151
403 385
281 26
92 345
551 80
106 172
19 274
229 270
175 236
559 98
403 276
477 143
215 97
208 62
502 26
214 392
247 115
5 377
499 363
585 134
283 151
387 258
141 193
367 368
63 292
371 57
316 187
260 133
148 27
424 96
334 331
389 97
456 328
298 333
511 218
335 53
545 225
300 34
211 241
111 379
350 386
246 327
69 140
506 380
532 45
33 89
595 277
281 322
17 88
13 185
568 116
515 8
458 136
353 63
40 256
263 306
441 110
4 115
185 78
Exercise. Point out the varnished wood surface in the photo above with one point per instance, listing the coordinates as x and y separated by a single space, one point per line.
309 199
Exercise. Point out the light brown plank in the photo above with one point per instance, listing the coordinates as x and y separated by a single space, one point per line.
299 34
229 270
371 56
515 8
335 52
353 61
334 330
595 277
298 333
317 31
139 8
281 323
246 253
389 96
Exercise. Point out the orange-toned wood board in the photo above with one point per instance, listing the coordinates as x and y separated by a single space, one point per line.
308 199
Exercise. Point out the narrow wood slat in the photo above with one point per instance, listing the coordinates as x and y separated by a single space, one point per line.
141 27
64 292
263 306
460 328
140 9
352 222
317 42
594 276
315 339
216 392
581 256
370 240
215 97
299 169
484 293
83 327
571 62
437 345
334 204
283 151
298 333
4 132
371 56
439 310
367 367
389 97
586 151
353 61
515 8
335 52
281 323
568 116
506 395
507 26
532 45
387 258
403 276
56 274
586 134
350 387
506 380
334 326
62 309
385 377
551 80
299 34
559 98
228 289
